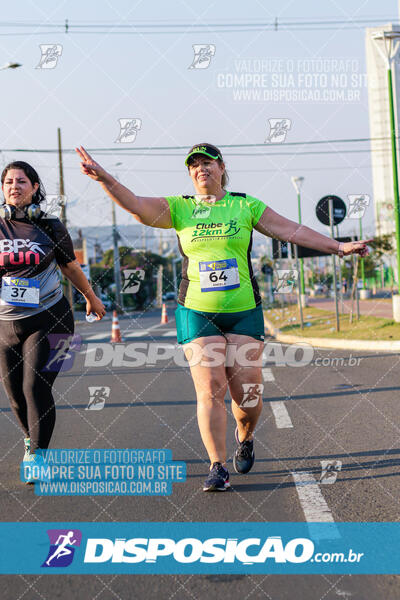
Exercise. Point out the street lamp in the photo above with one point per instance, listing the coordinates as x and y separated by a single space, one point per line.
10 65
388 51
297 183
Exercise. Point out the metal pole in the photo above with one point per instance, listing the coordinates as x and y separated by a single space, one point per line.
174 263
298 290
340 279
67 285
312 271
395 174
362 260
144 241
159 285
160 242
334 265
117 265
174 277
302 287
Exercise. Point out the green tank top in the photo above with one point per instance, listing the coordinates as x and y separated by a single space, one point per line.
215 241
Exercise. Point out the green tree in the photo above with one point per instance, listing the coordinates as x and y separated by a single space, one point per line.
103 274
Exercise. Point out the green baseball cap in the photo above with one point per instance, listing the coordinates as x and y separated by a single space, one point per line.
205 149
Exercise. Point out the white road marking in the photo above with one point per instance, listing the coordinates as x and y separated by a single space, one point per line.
135 334
282 419
313 504
87 350
312 501
268 374
132 334
97 336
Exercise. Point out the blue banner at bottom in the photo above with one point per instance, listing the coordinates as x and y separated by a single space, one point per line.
208 548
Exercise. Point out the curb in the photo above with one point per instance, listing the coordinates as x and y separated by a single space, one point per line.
339 344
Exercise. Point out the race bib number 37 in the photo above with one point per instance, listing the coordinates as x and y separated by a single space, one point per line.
219 275
19 291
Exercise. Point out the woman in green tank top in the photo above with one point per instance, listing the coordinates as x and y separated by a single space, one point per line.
219 316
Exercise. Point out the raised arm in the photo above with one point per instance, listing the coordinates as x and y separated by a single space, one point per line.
274 225
150 211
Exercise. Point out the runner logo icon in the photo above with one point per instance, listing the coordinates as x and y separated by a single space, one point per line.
278 130
131 280
252 393
97 397
62 547
50 55
128 130
62 351
203 54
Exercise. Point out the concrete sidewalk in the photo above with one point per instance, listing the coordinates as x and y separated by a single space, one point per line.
337 343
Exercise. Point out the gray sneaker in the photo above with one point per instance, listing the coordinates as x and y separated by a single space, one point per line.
217 480
244 456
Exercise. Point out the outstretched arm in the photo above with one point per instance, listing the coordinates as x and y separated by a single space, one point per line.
276 226
150 211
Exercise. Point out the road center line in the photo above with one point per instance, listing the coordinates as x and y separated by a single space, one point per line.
282 419
96 336
135 334
314 505
312 501
268 374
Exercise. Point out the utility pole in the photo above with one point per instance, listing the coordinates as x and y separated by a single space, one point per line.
159 285
144 238
174 263
117 266
362 260
95 248
297 183
160 242
334 266
67 285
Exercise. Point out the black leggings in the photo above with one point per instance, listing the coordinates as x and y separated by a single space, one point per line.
28 348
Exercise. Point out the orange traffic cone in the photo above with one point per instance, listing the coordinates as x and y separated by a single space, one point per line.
115 330
164 316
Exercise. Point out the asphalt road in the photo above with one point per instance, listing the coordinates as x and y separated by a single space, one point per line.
327 408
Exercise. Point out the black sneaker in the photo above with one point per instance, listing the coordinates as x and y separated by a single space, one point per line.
217 480
244 456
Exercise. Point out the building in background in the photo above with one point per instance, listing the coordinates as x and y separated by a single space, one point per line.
381 153
80 250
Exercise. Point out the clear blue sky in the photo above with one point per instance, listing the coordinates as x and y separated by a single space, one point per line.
102 77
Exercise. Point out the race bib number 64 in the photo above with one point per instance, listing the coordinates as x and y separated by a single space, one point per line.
219 275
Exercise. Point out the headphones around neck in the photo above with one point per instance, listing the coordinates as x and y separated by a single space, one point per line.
32 212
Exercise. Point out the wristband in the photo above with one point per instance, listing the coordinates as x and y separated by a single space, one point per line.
340 251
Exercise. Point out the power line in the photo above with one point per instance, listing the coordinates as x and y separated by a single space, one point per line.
260 149
160 28
186 147
154 25
134 170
